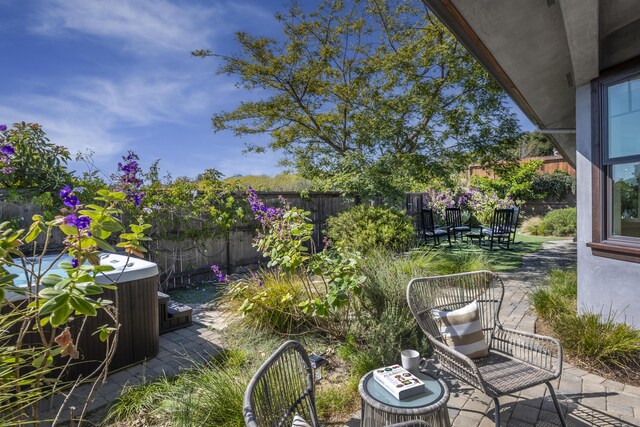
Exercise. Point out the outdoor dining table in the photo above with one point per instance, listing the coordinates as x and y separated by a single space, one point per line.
380 408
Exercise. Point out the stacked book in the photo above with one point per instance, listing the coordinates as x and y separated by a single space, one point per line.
398 381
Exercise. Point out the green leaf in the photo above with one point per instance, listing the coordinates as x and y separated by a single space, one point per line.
54 304
112 226
50 280
82 306
89 288
103 245
7 278
61 315
49 293
69 230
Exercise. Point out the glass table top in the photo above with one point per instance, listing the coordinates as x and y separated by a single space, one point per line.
433 392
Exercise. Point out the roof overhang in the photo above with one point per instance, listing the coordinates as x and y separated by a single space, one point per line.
540 50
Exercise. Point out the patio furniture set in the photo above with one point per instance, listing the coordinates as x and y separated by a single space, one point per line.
459 315
502 230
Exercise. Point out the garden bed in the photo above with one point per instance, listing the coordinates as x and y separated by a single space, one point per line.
629 375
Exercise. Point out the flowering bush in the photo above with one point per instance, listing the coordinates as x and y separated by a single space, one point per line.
440 200
34 333
327 277
483 204
29 160
472 201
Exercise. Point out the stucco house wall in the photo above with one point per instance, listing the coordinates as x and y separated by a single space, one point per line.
604 285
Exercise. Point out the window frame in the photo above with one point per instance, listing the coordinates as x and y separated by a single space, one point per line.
604 243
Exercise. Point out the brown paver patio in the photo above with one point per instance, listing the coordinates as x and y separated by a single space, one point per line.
587 399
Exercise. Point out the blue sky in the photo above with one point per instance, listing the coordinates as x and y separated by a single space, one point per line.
117 75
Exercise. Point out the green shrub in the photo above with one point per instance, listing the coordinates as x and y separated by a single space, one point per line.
534 226
382 323
561 222
364 228
557 184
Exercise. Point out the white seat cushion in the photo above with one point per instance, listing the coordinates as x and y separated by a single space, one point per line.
461 330
298 421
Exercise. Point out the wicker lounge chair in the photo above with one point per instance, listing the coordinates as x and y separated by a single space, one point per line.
283 387
280 389
517 360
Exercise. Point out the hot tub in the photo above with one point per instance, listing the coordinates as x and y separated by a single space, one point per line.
138 339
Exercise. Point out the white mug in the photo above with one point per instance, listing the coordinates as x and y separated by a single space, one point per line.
411 361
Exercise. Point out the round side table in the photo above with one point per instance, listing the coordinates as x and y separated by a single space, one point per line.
380 408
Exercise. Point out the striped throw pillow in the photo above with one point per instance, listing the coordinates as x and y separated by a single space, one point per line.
461 329
298 421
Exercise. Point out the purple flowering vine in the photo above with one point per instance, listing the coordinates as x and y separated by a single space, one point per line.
222 278
75 262
81 222
7 150
263 213
128 181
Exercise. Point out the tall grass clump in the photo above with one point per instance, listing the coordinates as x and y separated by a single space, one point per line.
210 394
273 299
534 226
599 338
557 296
593 337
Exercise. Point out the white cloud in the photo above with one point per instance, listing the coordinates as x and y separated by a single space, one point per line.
138 100
95 112
139 24
66 126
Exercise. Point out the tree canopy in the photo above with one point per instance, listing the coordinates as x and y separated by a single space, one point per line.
356 91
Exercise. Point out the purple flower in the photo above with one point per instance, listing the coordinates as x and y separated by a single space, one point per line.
65 192
260 283
222 278
71 201
137 198
3 128
8 150
128 182
74 262
262 212
83 222
70 220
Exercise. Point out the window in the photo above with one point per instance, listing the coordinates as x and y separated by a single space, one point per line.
621 157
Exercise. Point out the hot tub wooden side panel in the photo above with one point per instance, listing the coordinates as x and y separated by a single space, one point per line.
138 337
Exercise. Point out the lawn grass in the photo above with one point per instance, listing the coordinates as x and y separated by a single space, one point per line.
502 259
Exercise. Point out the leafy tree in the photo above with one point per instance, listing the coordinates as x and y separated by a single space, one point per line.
534 144
362 88
36 163
515 180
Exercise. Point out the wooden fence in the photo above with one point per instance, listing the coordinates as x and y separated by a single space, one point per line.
550 165
187 261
